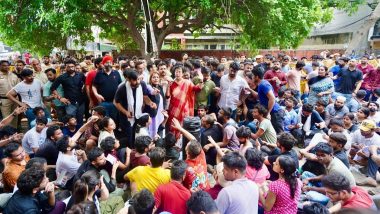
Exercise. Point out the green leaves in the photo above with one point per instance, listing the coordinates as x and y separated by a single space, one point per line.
41 25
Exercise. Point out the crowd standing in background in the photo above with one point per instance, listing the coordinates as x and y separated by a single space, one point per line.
269 134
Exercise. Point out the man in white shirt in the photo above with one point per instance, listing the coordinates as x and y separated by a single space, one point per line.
242 196
231 88
30 91
35 137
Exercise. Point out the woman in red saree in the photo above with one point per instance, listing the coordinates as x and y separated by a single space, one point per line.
181 93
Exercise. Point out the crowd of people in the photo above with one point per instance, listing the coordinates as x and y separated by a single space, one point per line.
269 134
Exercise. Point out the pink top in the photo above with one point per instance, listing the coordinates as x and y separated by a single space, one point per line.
258 177
284 203
294 79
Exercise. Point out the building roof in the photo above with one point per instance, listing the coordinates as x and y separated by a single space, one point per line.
342 22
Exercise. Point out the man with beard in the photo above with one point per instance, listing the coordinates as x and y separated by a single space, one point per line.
89 81
336 109
105 85
248 66
374 112
72 84
276 77
350 80
129 100
20 65
59 107
46 63
232 89
202 97
362 141
7 81
340 64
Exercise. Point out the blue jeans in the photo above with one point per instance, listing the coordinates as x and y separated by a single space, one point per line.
76 110
373 168
313 195
111 110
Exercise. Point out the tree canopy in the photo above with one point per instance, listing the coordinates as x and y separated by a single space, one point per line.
41 25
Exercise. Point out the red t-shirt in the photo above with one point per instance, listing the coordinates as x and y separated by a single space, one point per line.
143 160
196 173
171 198
280 75
89 79
360 199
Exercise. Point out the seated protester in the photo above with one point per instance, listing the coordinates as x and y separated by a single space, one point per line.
285 143
15 165
256 170
265 130
89 188
220 181
172 152
196 172
242 195
29 198
107 127
39 112
244 135
35 137
362 114
348 122
284 193
362 139
210 128
48 149
320 107
97 161
92 133
336 126
357 101
109 146
336 109
324 153
291 116
71 125
172 197
140 203
230 141
374 113
68 162
149 177
373 167
339 189
249 121
142 124
139 155
309 123
315 208
337 141
200 202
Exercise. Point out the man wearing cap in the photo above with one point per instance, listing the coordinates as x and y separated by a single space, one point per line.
72 83
7 81
368 142
362 139
30 91
105 86
350 80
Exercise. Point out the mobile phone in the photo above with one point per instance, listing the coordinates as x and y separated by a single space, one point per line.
260 141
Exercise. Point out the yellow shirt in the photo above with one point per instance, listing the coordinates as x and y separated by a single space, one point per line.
148 177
